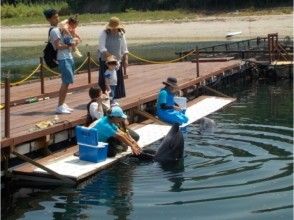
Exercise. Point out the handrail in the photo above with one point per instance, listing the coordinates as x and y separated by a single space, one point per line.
161 62
49 70
224 44
26 78
235 42
285 51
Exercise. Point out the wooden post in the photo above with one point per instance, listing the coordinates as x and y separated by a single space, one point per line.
7 106
276 45
89 67
124 67
273 47
42 76
6 165
269 48
213 50
197 62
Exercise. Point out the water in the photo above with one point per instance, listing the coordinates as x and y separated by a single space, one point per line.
242 171
21 61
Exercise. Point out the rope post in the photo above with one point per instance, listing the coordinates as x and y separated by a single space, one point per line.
276 44
7 106
197 62
42 75
269 48
89 67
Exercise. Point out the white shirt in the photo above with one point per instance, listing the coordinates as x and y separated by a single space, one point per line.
102 42
96 110
110 77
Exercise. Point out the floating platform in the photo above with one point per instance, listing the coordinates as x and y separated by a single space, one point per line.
72 169
142 86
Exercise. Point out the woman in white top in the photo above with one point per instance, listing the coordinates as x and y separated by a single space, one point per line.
112 41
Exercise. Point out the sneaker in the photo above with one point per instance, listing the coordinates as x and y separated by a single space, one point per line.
62 110
68 108
77 53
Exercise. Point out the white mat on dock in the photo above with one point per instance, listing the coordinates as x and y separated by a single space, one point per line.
73 167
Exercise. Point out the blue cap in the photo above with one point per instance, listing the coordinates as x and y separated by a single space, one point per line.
117 112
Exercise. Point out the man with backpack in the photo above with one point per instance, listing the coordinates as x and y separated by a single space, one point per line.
64 59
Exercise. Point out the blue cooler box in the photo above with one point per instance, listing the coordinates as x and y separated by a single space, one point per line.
89 147
92 153
87 136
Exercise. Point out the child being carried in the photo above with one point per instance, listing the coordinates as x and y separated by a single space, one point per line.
68 29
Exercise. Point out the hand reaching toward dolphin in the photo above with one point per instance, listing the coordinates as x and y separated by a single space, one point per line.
136 150
125 138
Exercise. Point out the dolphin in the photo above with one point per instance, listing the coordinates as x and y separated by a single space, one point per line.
206 125
170 149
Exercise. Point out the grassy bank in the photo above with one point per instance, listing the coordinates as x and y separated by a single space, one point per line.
24 18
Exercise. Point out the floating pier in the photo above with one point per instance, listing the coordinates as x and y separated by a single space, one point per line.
72 170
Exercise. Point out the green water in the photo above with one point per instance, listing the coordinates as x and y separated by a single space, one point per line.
244 170
20 61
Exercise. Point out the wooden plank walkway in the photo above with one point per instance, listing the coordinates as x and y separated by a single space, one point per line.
142 86
33 89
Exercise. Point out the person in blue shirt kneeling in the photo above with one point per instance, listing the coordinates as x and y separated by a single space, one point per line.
166 108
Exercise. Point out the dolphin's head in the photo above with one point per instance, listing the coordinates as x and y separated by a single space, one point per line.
172 146
206 125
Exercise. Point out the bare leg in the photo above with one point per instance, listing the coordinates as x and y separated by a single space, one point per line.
77 41
62 93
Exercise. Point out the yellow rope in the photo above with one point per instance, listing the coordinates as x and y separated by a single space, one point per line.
50 70
133 55
94 62
81 65
162 62
26 78
56 73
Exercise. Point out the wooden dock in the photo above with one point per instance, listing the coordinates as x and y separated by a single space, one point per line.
69 169
142 86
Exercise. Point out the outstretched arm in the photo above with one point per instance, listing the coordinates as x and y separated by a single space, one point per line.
129 141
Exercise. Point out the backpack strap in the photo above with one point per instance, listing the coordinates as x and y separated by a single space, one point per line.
50 29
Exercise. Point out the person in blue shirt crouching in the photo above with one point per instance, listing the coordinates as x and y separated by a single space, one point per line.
166 108
111 129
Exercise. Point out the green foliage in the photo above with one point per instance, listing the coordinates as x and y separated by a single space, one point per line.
25 10
133 15
102 6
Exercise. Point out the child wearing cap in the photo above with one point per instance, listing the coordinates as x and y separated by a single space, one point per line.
68 28
111 76
166 108
110 133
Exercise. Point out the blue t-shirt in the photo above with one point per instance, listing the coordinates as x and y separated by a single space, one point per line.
164 97
62 54
105 128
